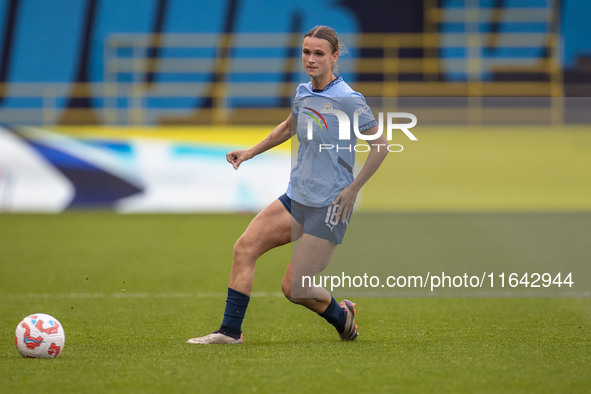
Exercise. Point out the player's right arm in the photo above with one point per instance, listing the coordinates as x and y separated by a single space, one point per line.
279 135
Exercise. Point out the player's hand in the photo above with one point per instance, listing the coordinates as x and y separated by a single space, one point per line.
237 157
346 200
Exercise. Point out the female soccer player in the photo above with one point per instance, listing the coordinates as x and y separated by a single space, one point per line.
319 198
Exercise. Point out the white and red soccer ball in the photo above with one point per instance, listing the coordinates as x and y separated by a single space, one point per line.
39 336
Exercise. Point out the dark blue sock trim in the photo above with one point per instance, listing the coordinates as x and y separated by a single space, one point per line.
222 331
236 304
335 315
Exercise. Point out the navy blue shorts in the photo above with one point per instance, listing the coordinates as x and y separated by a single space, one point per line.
319 222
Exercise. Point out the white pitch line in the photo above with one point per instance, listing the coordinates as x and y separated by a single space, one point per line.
123 294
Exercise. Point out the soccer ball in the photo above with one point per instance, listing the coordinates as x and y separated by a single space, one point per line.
39 336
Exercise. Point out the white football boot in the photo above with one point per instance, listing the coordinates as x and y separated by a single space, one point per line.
215 338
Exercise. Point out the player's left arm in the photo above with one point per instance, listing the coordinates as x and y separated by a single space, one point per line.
346 198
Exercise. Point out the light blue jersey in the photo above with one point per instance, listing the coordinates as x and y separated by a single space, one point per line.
325 162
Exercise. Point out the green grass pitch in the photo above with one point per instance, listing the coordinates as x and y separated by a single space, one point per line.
131 289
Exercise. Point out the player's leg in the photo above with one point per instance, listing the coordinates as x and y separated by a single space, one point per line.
310 257
322 233
269 229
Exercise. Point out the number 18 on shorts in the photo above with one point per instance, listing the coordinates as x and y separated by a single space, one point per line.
320 222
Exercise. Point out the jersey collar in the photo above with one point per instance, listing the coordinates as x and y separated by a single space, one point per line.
334 82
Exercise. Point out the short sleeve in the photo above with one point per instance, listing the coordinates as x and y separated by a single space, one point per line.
362 111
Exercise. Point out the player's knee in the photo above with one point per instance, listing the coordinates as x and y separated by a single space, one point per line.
286 288
244 250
